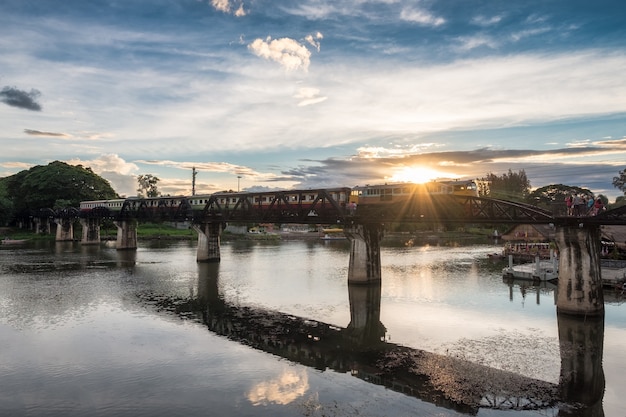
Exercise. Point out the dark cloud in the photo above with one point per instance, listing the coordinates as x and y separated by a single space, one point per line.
22 99
41 133
477 163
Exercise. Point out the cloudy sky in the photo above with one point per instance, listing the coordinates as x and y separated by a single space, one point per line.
315 93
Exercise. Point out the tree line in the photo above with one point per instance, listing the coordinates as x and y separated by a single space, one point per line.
60 185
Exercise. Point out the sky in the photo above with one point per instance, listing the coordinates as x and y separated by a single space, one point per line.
278 94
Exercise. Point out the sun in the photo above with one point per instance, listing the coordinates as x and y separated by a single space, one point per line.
417 175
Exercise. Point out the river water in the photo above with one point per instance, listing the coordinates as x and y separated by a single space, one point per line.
275 330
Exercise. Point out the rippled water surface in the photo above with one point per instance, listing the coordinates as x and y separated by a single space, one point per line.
88 330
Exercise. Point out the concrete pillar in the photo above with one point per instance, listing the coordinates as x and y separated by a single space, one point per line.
364 265
580 283
65 229
91 231
582 381
365 328
126 234
208 241
42 225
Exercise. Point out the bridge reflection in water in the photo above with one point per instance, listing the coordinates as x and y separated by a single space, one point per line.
361 350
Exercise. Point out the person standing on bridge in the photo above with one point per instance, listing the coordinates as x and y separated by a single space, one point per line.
569 201
598 206
578 205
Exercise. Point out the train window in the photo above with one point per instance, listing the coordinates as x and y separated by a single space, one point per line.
312 197
397 190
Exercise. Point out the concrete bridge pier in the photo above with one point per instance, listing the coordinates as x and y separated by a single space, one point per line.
42 225
91 231
126 234
208 241
364 267
580 283
65 229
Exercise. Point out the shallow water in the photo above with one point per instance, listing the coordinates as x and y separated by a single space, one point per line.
91 330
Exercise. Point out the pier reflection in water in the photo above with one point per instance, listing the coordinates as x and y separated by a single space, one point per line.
91 330
361 350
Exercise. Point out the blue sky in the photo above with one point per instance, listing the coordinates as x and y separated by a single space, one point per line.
315 93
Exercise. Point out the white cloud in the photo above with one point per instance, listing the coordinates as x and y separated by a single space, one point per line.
226 6
471 42
485 21
313 40
117 171
421 17
308 96
289 53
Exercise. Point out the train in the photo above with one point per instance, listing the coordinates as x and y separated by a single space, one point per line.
338 199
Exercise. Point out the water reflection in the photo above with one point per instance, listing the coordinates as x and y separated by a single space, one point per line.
582 376
290 385
526 287
360 349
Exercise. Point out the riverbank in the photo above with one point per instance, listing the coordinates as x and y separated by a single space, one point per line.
153 231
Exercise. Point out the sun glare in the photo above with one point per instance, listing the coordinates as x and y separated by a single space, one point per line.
417 175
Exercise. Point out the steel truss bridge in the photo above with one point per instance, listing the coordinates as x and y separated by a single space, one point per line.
326 209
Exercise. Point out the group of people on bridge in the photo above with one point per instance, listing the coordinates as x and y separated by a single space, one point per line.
582 205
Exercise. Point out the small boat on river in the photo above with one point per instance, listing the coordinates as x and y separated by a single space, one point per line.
333 234
7 241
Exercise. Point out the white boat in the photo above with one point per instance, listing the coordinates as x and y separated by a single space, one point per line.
7 241
333 234
540 270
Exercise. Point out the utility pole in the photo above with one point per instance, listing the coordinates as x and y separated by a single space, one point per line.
238 178
193 180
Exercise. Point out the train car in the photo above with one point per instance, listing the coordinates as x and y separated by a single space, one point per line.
268 200
145 207
111 205
388 193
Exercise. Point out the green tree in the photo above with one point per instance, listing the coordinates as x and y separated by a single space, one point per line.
54 184
148 186
620 181
513 186
553 195
6 205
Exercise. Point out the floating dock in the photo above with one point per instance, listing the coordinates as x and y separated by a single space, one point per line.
613 273
540 270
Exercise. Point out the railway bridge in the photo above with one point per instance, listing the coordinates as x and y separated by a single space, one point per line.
577 238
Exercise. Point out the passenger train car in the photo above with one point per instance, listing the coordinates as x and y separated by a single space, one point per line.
387 193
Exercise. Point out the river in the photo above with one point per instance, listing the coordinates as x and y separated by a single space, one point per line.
275 330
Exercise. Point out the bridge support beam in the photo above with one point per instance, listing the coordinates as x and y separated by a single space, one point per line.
580 283
208 241
364 265
42 225
91 231
65 229
126 234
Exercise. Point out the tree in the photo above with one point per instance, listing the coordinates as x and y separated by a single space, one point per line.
554 194
509 186
620 182
148 185
54 184
6 205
